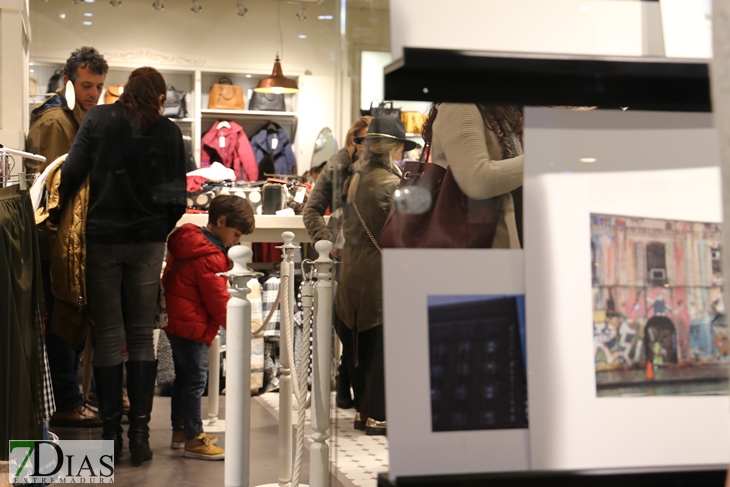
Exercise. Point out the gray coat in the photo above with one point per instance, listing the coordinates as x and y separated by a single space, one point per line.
327 193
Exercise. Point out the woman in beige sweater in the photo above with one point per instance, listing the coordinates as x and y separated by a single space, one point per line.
483 146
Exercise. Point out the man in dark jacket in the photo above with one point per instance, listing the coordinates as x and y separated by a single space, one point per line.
52 131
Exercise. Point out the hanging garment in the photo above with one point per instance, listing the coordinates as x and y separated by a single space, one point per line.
257 340
228 144
26 397
272 140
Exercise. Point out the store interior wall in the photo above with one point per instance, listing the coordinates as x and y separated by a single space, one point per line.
13 78
215 39
368 29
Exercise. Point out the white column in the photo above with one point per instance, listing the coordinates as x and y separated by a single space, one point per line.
322 369
238 385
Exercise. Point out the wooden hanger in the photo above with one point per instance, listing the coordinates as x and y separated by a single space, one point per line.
223 123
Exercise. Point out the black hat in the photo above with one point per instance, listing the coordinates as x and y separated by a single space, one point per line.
387 128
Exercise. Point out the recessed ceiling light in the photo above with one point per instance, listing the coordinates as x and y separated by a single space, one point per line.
325 17
302 36
32 70
248 76
88 14
87 22
588 160
62 16
89 1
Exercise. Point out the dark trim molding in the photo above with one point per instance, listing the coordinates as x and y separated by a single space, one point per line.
547 80
696 478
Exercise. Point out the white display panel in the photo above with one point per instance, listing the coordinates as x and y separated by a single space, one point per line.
409 277
687 28
652 165
584 27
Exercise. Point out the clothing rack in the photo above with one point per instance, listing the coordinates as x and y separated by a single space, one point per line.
6 168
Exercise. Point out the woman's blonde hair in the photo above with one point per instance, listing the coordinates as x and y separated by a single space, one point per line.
360 123
385 150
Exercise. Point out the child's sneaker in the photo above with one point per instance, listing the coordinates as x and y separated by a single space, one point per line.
178 440
201 448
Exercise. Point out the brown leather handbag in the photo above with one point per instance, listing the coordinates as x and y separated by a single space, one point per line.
113 92
452 220
224 95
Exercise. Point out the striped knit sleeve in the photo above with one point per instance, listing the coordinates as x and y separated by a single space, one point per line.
459 131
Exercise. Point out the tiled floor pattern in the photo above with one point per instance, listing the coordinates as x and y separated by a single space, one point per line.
356 458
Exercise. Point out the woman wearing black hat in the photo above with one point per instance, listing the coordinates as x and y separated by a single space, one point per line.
359 294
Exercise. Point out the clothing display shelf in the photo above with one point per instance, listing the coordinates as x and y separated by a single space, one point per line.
268 227
251 120
196 83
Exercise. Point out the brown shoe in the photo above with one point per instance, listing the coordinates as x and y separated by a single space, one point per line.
359 423
201 448
81 417
178 439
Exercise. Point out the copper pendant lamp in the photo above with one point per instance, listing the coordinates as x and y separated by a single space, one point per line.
277 83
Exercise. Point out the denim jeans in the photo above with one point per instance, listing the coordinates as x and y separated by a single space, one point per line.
122 281
189 384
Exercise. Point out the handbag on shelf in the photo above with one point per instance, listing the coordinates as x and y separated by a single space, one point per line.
224 95
55 82
175 104
113 92
452 219
413 121
385 109
275 198
270 102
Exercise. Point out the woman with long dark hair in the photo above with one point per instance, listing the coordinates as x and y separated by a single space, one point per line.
483 146
135 161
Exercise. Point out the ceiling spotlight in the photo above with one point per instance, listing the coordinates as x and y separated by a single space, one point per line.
115 3
302 14
196 7
77 1
241 8
158 5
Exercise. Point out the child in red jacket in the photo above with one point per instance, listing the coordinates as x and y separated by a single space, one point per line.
196 308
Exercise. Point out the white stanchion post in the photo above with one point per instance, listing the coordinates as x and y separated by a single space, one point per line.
214 424
322 369
238 361
285 386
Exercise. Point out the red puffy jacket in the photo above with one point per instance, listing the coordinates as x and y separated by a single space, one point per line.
196 299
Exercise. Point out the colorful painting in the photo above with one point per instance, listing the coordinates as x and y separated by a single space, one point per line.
659 323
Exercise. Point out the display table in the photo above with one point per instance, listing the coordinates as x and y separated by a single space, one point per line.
268 227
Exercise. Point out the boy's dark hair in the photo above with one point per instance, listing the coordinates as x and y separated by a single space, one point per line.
85 57
237 210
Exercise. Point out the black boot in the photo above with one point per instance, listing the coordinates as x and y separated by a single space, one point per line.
109 396
141 389
343 397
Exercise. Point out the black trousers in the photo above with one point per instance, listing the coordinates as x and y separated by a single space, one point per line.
371 365
355 376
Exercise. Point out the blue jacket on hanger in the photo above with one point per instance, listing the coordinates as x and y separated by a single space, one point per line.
272 140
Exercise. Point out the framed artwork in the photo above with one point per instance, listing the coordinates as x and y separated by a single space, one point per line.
659 322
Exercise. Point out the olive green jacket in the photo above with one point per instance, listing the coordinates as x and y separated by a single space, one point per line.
360 288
